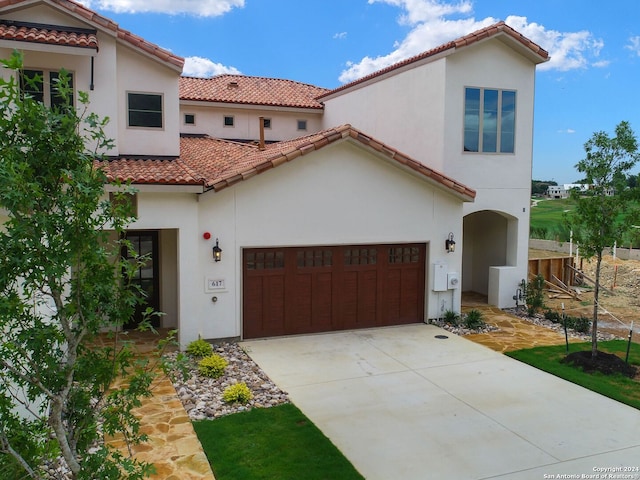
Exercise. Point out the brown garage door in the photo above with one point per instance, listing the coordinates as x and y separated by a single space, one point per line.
318 289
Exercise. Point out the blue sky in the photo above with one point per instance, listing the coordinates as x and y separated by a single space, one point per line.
590 84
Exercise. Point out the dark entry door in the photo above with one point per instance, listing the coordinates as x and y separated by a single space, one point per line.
146 277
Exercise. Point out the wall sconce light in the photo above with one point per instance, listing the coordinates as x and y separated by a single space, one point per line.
450 244
217 252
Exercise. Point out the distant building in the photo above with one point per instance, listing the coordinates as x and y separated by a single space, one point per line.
563 191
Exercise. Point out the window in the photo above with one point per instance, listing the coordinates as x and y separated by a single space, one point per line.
228 120
266 122
302 124
189 119
145 110
489 120
42 85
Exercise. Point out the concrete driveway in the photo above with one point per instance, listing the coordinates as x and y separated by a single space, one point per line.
401 403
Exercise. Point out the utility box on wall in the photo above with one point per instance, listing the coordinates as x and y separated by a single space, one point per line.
453 281
439 277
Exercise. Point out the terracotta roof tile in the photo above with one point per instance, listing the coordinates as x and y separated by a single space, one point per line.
251 91
149 171
461 42
93 17
217 164
47 34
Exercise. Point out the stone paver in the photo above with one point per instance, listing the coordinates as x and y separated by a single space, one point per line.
514 333
173 446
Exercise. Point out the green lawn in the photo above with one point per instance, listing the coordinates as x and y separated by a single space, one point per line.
271 443
617 387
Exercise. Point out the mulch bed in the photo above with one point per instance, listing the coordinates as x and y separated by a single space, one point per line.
606 363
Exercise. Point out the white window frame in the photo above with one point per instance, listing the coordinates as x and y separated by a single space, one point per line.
47 82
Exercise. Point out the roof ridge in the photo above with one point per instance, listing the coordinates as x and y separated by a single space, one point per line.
456 43
222 75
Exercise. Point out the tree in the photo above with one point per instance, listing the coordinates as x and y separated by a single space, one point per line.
60 286
596 221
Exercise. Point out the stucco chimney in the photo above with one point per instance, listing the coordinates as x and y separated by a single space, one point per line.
261 144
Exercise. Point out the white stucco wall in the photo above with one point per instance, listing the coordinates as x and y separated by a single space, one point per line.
341 194
406 111
284 122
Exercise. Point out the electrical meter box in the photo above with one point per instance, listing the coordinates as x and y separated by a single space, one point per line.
439 277
453 281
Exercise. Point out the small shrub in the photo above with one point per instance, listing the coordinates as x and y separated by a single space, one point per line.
579 324
451 317
473 319
199 348
535 295
238 393
212 366
553 316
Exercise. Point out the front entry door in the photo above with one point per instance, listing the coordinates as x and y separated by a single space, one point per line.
146 277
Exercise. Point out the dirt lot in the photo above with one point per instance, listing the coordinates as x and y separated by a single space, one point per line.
617 308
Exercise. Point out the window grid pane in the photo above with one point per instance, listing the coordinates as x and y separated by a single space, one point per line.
145 110
508 122
489 120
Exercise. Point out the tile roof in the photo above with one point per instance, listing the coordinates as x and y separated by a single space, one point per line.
470 39
217 164
48 34
80 11
251 91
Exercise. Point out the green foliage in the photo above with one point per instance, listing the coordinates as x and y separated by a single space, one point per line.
451 317
238 393
60 287
212 366
278 442
553 315
473 319
535 295
199 348
596 220
580 324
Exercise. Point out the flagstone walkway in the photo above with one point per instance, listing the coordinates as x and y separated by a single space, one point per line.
173 446
514 334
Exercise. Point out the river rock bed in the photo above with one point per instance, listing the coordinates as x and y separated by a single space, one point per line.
202 396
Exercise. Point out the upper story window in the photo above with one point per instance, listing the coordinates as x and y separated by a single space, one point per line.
228 121
302 124
145 110
266 122
42 85
489 120
189 119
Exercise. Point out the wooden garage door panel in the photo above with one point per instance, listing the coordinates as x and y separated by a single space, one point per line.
315 289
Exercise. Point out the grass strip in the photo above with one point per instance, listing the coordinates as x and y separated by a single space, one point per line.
267 443
617 387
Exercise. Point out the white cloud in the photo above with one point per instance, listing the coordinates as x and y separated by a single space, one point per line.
431 26
340 36
568 131
202 8
634 45
205 68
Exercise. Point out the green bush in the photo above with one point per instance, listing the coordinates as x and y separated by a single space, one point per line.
238 393
553 315
579 324
199 348
212 366
535 295
473 319
451 317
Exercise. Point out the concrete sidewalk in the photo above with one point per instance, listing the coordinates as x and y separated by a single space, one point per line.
401 403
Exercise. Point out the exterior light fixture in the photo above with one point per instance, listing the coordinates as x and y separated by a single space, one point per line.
217 252
450 244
